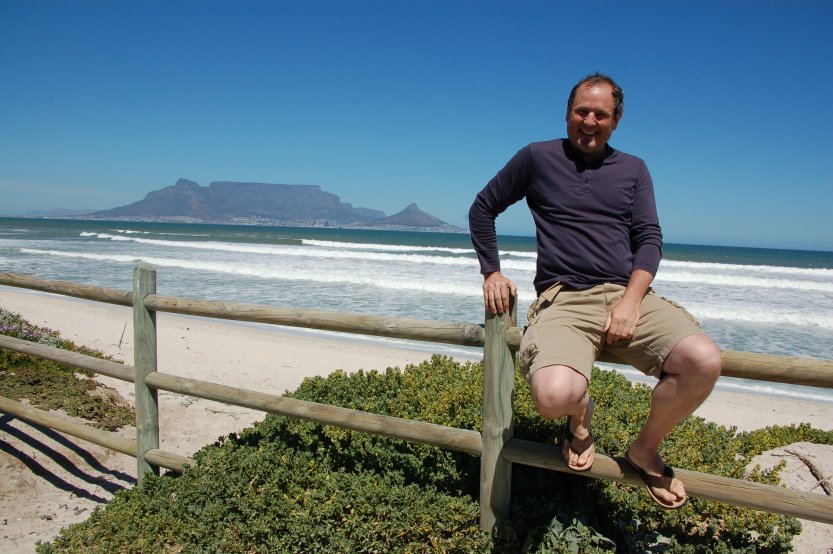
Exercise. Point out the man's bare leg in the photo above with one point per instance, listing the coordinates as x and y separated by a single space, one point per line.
688 376
559 391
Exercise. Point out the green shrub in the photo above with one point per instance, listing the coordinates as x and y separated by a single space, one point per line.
294 486
51 386
273 498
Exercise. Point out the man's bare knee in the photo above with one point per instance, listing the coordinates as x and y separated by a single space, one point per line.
557 390
696 357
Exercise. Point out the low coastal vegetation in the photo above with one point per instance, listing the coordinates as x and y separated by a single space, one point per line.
51 386
287 485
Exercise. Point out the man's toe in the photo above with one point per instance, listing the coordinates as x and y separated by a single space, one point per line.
673 494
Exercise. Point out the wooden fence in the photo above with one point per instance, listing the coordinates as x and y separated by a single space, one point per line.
495 444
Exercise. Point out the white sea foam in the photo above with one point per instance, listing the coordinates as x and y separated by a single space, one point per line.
822 273
516 254
725 280
383 247
700 274
410 248
330 250
132 232
249 248
343 254
326 275
723 275
767 316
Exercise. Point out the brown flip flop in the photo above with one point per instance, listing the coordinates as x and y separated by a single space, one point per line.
659 481
579 446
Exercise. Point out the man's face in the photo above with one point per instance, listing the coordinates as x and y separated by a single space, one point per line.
590 121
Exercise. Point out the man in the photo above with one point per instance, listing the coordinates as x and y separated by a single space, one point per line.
599 246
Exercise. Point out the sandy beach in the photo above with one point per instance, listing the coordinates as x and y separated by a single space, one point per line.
48 481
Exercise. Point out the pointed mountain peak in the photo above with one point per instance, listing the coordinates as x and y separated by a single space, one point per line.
412 216
185 183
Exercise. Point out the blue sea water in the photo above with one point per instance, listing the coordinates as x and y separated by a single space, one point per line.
749 299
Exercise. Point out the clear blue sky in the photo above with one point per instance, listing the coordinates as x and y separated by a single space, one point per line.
387 103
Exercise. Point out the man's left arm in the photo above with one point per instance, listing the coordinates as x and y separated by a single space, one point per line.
623 317
646 241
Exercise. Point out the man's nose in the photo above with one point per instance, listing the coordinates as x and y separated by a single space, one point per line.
590 119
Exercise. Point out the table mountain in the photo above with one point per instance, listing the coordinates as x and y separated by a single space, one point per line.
227 200
236 202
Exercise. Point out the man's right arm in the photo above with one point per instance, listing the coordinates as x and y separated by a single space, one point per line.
506 188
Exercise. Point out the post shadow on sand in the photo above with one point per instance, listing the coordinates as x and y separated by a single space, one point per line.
64 462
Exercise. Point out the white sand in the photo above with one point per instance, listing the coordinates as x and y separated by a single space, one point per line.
48 481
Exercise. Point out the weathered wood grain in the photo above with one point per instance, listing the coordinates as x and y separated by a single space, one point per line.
68 288
461 440
144 362
758 496
74 359
498 393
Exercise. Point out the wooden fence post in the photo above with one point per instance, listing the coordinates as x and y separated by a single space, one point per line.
498 394
144 361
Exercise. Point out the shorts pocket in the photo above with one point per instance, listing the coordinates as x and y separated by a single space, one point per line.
529 349
544 299
532 313
682 309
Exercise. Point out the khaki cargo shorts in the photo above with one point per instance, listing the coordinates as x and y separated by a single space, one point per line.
565 328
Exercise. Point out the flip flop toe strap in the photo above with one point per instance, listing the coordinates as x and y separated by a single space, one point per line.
579 446
658 481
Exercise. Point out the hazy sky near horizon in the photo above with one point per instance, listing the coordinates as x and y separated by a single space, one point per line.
390 102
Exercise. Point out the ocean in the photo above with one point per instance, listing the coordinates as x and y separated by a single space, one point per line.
749 299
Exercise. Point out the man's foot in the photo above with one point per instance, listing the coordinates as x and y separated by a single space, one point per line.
578 449
664 488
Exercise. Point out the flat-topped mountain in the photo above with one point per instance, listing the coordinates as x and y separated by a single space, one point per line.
236 202
226 200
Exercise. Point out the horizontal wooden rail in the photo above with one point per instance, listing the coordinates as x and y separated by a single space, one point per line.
74 359
395 327
814 372
169 460
794 370
461 440
70 426
769 498
68 288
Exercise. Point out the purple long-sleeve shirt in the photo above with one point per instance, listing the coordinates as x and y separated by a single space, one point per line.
595 223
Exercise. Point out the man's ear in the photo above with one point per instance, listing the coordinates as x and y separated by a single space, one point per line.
616 121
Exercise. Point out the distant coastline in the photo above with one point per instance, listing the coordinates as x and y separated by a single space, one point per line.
272 204
257 204
253 222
